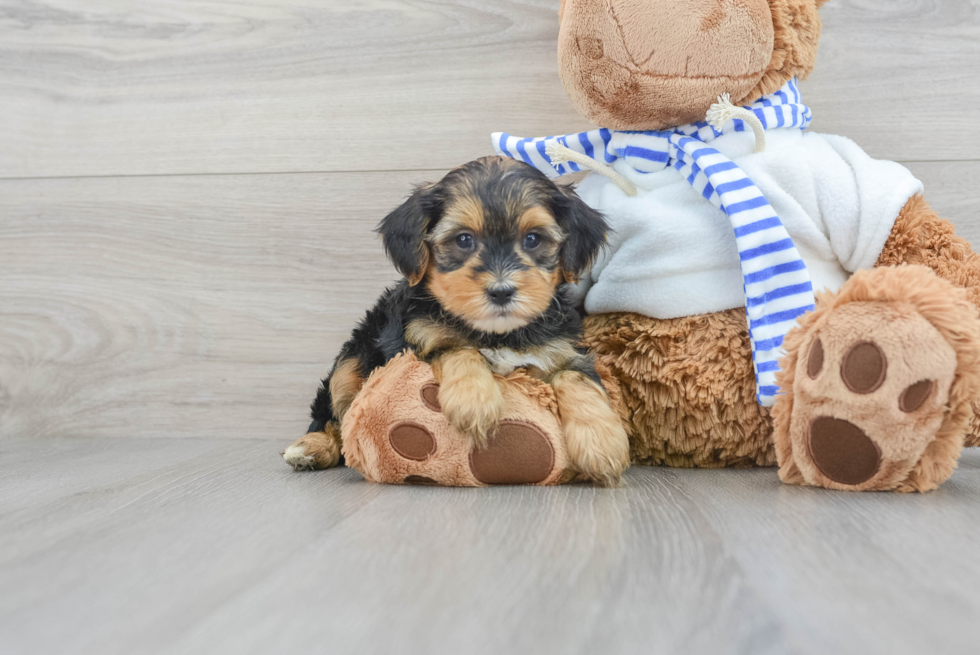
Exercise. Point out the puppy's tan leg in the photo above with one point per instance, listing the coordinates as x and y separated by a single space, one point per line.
316 450
468 393
345 384
594 434
321 450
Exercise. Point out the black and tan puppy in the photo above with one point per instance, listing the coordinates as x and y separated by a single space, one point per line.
487 253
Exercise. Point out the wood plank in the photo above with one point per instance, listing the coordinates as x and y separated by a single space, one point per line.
207 305
952 189
269 85
204 546
178 306
117 88
885 66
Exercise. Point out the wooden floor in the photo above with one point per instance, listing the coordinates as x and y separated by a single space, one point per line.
211 546
187 195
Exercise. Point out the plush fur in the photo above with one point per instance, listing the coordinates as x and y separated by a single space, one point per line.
687 387
487 254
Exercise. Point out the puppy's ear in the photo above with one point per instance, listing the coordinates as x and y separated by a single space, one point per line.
585 231
403 232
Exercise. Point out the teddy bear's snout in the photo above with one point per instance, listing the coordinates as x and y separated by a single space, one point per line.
625 65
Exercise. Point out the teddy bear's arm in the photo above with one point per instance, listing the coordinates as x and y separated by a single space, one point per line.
921 236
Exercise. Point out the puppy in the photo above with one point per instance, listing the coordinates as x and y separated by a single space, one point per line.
487 254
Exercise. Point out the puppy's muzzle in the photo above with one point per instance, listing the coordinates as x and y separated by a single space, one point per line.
501 295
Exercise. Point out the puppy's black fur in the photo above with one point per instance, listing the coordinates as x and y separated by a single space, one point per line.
503 190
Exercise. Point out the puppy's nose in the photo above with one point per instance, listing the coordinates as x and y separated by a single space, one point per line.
501 295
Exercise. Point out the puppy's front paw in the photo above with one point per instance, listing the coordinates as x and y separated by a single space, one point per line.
473 406
601 451
597 443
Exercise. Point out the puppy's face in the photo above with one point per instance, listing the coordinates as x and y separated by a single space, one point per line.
494 254
493 241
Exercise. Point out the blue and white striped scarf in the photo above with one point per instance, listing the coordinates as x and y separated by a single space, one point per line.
776 282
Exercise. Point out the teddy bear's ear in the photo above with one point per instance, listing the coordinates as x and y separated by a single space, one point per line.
585 232
403 232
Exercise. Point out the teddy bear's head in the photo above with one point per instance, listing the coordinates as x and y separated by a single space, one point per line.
655 64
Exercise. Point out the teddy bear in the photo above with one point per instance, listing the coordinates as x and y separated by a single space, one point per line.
770 295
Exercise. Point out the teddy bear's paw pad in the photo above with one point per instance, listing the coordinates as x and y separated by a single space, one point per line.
430 397
420 480
842 451
870 393
517 453
412 441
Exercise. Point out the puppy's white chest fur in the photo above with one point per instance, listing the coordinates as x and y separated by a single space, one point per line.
505 360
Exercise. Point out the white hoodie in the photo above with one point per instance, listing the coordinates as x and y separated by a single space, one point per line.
673 254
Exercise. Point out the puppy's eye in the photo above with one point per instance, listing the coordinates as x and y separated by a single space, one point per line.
464 241
532 241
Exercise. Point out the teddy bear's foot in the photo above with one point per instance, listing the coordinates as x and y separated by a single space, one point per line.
316 450
397 431
879 381
871 399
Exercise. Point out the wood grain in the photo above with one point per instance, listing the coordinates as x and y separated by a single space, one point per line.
172 87
207 546
177 306
952 189
207 305
890 71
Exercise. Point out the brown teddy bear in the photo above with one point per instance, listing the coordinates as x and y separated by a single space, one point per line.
755 264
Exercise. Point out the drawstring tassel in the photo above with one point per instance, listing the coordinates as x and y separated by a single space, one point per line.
723 111
559 154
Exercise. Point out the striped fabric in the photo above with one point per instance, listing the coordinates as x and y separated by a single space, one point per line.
777 285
